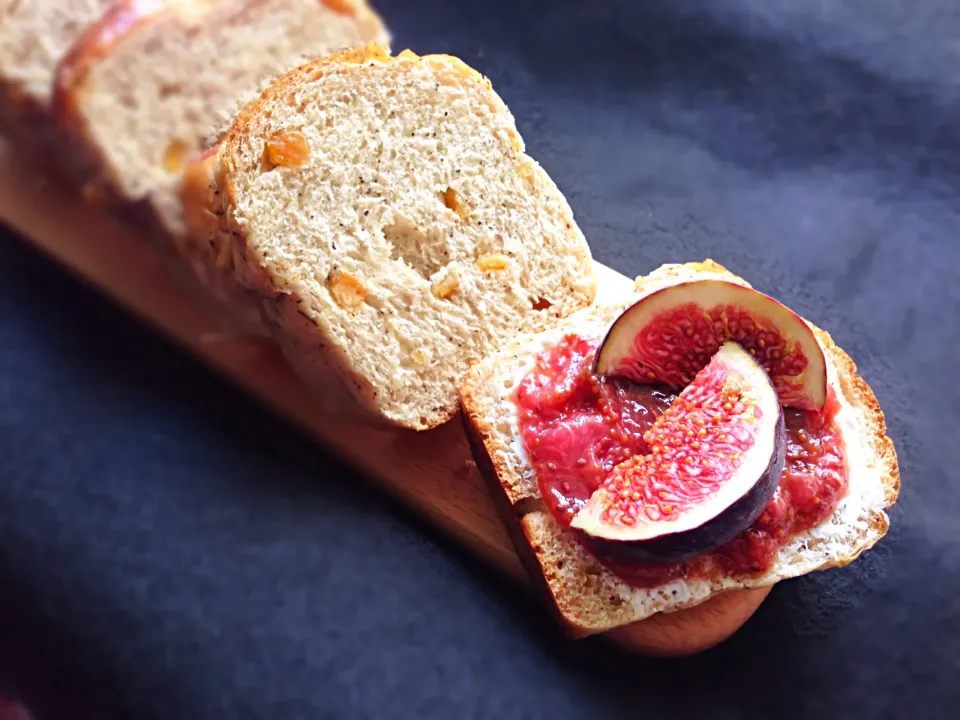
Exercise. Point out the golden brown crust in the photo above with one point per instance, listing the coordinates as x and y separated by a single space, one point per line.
861 396
198 194
312 70
207 248
306 72
545 547
482 434
203 244
344 7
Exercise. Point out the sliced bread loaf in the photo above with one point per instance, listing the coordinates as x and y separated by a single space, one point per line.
34 36
394 230
590 598
145 86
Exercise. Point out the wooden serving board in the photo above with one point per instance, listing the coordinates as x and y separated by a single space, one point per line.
432 472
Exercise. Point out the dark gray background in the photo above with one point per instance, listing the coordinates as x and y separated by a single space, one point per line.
162 559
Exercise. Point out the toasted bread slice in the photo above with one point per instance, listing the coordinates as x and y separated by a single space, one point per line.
394 230
34 37
588 597
143 88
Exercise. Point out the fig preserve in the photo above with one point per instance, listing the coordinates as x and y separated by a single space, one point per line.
581 430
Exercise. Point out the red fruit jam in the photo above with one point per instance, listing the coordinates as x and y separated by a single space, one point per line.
576 426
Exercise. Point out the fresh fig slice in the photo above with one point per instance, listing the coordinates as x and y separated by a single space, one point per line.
670 334
716 457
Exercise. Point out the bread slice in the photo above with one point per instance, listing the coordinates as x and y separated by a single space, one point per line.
395 231
144 87
34 36
588 597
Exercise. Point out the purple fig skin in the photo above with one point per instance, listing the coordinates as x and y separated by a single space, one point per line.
723 528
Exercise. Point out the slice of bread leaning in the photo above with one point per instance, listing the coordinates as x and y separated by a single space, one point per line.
588 597
34 36
143 88
393 230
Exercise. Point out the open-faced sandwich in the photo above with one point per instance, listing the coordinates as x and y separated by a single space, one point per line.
694 438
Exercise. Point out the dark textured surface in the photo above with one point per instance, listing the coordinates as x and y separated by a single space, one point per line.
169 550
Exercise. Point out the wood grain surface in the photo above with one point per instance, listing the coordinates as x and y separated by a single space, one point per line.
432 472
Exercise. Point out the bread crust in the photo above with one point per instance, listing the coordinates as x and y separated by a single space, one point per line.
587 597
212 273
862 396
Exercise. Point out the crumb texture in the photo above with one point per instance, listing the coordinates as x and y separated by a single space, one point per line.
415 236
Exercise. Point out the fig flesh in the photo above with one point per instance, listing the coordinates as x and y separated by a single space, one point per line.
670 334
716 455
